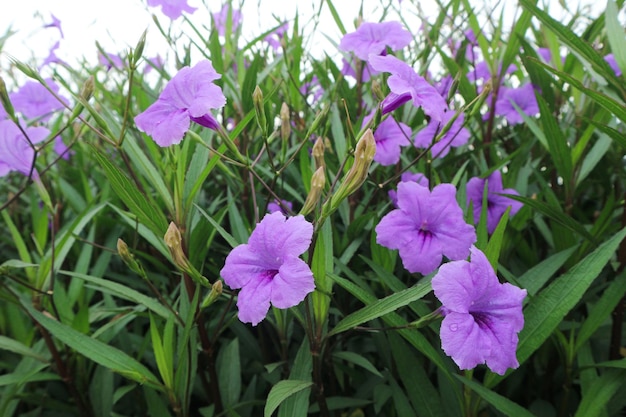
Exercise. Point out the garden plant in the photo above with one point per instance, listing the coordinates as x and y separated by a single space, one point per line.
424 220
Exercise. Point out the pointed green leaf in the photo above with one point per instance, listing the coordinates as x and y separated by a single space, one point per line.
500 403
281 391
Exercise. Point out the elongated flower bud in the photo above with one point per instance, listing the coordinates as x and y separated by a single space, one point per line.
216 291
356 176
318 153
285 126
129 259
4 98
318 180
259 108
173 239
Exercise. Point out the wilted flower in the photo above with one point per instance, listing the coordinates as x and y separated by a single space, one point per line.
16 154
406 84
482 317
34 100
523 97
457 135
188 97
268 269
172 8
426 226
373 38
390 135
221 18
496 203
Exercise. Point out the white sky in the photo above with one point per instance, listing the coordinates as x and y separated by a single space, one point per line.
118 24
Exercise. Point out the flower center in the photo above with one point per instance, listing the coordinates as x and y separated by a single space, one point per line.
269 274
482 319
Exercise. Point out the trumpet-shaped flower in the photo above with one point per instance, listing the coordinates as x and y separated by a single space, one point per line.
482 317
34 100
390 136
221 19
456 135
172 8
268 269
405 84
426 226
16 154
188 97
496 203
523 97
373 38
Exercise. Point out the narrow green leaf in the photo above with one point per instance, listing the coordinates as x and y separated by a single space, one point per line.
599 394
297 405
281 391
227 236
139 204
14 346
92 349
602 309
229 373
382 307
358 360
537 276
545 311
557 143
159 355
336 17
502 404
615 34
123 292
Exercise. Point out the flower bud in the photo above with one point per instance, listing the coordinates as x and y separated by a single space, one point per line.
173 239
318 180
318 153
259 108
216 291
285 126
128 258
4 98
317 121
356 176
86 92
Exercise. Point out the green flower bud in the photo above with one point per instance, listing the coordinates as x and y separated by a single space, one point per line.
318 180
285 123
259 108
129 258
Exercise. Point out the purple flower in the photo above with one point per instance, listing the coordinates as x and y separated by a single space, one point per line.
312 88
268 269
426 226
408 176
34 100
16 154
373 38
3 113
406 84
52 57
482 317
56 23
152 63
284 206
483 72
523 97
61 148
221 18
274 38
610 59
496 203
456 136
110 60
389 135
444 85
348 69
172 8
188 96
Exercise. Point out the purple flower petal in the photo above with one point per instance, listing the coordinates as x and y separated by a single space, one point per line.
373 38
426 226
268 268
456 136
172 8
404 80
482 316
496 204
189 96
